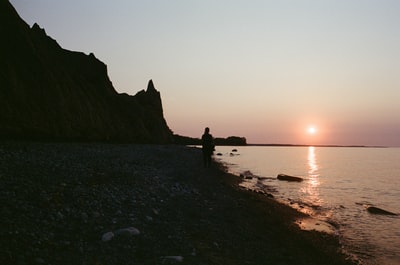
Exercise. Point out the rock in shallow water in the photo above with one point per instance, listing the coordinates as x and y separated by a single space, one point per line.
376 210
289 178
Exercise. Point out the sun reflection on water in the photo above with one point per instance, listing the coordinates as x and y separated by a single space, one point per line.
312 161
311 189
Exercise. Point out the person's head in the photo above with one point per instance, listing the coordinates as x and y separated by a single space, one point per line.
206 130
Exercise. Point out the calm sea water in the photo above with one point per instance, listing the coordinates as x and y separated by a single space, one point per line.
339 183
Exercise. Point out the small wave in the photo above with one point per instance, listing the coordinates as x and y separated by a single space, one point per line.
316 225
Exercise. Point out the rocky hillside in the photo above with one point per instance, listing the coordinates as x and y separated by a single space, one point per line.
47 92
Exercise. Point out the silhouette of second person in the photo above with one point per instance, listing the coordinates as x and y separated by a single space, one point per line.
207 143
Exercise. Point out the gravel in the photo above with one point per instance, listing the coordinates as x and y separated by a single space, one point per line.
91 203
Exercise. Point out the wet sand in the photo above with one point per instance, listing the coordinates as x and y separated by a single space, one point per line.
141 204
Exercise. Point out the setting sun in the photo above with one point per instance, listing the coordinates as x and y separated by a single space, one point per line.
311 130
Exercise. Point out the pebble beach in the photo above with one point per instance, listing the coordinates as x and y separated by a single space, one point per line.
92 203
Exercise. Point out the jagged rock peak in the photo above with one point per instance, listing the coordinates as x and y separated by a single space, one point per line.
37 27
41 33
150 86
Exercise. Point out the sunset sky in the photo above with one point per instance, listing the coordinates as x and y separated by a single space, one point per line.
265 70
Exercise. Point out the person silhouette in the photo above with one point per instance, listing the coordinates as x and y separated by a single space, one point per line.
207 143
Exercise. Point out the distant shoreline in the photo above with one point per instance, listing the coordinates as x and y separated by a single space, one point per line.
319 145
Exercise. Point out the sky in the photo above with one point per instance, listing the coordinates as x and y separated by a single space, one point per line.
260 69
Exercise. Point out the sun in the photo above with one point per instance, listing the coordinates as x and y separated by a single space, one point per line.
311 130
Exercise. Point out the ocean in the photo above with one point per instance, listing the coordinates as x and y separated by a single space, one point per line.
339 184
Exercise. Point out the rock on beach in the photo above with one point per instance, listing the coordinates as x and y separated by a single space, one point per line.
129 231
107 236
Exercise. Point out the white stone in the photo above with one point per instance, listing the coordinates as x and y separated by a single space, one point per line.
107 236
175 258
149 218
129 231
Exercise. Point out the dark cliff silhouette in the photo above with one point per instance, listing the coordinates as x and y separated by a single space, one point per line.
47 92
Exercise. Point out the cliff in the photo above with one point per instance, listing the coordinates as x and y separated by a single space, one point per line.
47 92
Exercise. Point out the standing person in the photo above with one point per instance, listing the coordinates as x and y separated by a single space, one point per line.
207 142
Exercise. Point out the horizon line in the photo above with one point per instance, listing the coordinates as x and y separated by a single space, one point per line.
319 145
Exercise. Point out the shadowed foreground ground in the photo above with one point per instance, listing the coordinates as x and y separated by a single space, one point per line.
138 204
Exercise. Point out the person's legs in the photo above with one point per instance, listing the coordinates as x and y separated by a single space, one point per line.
209 160
205 158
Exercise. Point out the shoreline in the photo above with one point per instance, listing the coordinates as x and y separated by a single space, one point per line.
63 202
306 221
